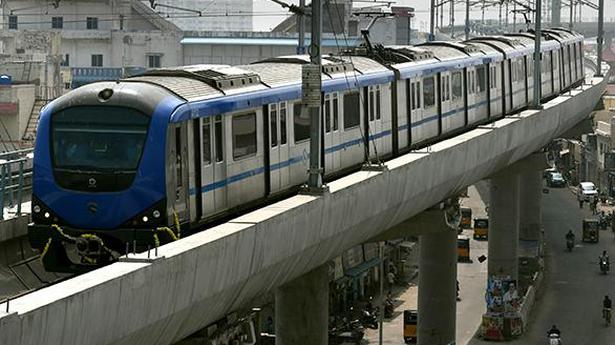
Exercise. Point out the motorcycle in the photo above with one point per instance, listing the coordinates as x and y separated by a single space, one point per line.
554 339
606 314
569 244
368 319
604 266
346 332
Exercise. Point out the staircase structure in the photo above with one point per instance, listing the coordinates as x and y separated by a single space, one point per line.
30 132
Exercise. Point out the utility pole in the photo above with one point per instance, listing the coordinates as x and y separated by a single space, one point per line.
506 16
432 21
312 86
467 29
452 20
537 61
514 16
600 36
570 25
301 29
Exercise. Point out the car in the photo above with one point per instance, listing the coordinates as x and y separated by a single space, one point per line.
586 191
555 179
547 172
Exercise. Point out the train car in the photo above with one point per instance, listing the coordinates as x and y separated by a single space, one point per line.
138 162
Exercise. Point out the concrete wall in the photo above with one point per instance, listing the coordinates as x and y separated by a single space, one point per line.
211 23
16 123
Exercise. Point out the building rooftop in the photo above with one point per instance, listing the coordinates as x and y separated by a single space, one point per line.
254 41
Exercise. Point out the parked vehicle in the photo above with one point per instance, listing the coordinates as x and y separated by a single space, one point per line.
547 172
569 244
604 266
410 324
606 314
466 218
586 191
554 339
481 228
463 248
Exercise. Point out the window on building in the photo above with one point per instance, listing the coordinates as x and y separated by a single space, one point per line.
65 61
301 123
352 117
57 22
92 23
244 135
206 141
97 60
154 60
13 22
66 86
429 92
457 90
482 79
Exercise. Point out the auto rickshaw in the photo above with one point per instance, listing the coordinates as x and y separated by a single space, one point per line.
463 248
590 230
410 321
466 218
481 228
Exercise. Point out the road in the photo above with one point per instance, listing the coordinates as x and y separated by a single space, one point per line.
573 289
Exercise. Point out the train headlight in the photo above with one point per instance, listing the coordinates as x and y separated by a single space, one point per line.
36 209
145 219
47 215
156 214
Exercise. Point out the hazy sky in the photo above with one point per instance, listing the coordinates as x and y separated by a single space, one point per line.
266 23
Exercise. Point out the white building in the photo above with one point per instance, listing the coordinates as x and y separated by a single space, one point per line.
218 15
93 33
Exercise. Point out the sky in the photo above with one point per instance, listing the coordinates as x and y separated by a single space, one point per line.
266 23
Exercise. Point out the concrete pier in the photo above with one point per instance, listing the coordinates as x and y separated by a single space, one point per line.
504 225
530 211
437 301
302 309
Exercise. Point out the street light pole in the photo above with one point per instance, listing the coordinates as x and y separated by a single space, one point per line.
571 14
301 29
432 21
537 61
600 36
467 29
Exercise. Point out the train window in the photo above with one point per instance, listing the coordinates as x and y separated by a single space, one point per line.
457 90
482 79
273 124
444 88
378 103
301 123
371 105
412 95
244 135
218 139
206 141
327 113
336 112
418 95
351 110
429 92
178 159
282 123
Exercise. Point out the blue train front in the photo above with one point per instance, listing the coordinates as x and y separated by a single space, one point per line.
99 180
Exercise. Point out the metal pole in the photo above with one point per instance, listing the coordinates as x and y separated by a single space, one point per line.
441 14
467 29
500 16
600 36
571 14
2 177
432 21
483 15
315 172
382 298
452 7
506 17
537 61
301 29
19 188
515 16
409 30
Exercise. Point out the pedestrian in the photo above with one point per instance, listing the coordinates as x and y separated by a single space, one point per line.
391 278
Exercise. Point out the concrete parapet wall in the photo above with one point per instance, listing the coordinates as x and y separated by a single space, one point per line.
205 276
13 227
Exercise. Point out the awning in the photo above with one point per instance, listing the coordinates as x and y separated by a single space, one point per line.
357 270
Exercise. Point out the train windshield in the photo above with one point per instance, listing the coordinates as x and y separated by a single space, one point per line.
96 142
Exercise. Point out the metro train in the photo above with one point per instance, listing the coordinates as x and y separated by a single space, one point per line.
130 164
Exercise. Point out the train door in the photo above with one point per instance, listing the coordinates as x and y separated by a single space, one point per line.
445 98
415 115
213 165
496 92
375 121
278 146
333 139
177 172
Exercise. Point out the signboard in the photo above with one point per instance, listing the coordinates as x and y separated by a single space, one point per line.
353 257
311 86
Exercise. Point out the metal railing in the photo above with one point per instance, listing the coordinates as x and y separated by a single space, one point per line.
15 178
